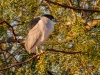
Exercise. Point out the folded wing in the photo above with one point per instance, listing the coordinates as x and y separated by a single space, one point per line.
32 39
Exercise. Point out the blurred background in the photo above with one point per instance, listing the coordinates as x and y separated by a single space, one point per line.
74 44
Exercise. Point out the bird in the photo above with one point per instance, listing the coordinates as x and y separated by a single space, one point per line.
39 31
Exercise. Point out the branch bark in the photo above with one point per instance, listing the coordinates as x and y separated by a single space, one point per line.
74 8
60 51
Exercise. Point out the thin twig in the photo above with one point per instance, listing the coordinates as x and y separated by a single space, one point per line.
36 8
9 40
6 50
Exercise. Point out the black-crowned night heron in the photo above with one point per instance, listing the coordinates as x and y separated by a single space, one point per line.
39 30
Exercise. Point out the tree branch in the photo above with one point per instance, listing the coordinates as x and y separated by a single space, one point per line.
34 56
74 8
60 51
16 64
11 29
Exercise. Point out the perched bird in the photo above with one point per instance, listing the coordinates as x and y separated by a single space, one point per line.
39 30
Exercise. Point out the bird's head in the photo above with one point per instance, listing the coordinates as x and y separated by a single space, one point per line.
50 17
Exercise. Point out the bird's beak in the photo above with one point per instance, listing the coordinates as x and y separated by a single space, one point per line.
54 20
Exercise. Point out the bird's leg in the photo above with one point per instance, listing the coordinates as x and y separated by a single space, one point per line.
37 52
41 51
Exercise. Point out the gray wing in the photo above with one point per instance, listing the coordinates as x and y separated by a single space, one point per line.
33 22
31 39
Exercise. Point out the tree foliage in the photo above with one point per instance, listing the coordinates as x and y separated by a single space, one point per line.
72 49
